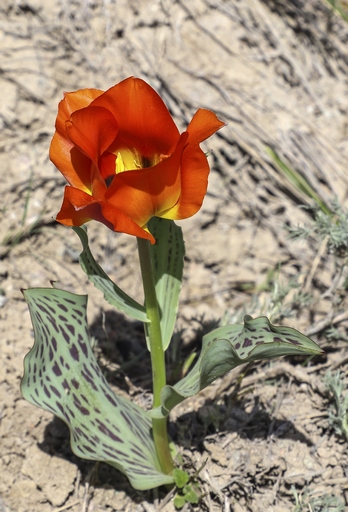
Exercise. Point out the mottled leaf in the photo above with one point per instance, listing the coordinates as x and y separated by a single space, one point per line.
62 376
112 293
168 262
230 346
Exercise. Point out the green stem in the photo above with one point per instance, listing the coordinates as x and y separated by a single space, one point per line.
153 328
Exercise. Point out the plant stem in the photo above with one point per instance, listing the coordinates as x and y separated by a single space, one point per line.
153 329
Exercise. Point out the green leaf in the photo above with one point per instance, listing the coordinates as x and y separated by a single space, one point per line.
62 376
168 263
179 501
180 477
112 293
230 346
190 495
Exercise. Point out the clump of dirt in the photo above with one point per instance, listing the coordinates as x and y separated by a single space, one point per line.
276 73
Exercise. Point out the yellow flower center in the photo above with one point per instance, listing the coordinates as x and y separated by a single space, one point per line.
129 160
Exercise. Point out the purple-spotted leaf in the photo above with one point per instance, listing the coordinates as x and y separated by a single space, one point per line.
62 376
112 293
230 346
168 263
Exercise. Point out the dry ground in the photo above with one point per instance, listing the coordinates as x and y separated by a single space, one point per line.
277 72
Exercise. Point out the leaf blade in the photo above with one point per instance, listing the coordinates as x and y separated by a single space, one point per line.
114 295
62 376
226 348
168 263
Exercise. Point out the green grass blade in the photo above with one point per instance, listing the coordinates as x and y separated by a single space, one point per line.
298 181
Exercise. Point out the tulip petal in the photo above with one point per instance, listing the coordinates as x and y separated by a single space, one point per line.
123 224
203 124
144 121
74 165
73 101
107 165
79 208
144 193
194 166
92 130
194 182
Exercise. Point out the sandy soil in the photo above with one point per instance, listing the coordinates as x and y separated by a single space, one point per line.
277 73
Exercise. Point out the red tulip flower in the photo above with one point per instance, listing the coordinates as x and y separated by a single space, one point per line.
125 160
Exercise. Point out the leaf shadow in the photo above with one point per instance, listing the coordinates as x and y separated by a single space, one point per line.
214 419
56 443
